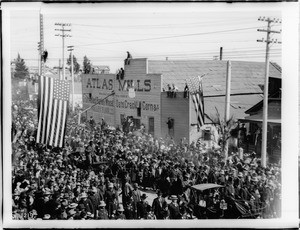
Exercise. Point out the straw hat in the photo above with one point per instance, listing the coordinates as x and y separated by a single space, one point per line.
111 185
173 197
47 192
84 195
46 217
120 208
254 179
73 205
102 203
72 212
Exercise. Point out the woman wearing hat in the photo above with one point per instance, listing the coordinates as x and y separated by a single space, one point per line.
102 213
174 208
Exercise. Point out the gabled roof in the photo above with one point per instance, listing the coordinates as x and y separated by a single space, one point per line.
238 105
245 76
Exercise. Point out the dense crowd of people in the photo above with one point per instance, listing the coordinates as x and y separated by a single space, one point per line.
104 173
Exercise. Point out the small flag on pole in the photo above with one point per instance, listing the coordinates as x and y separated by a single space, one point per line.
196 91
53 102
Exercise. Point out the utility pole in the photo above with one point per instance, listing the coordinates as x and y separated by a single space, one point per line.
70 48
41 46
266 86
63 35
39 58
59 73
228 87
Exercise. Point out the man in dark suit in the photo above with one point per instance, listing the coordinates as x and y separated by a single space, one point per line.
159 206
143 208
174 208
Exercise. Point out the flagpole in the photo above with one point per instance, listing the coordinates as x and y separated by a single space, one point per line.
79 114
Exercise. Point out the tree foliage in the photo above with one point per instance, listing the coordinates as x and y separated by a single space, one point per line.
87 65
21 70
76 66
226 129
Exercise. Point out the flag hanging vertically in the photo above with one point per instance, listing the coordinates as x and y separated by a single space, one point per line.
196 92
53 100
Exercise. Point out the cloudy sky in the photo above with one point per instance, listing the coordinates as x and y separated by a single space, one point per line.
105 32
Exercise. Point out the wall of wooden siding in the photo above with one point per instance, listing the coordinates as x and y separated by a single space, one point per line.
178 109
150 100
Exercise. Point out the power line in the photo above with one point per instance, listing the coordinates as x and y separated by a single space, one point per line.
167 37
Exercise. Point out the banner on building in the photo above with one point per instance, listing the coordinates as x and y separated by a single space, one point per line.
196 92
53 102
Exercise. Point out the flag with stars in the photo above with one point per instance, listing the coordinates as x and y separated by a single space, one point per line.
196 92
53 102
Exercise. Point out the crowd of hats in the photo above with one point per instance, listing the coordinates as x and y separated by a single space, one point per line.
69 174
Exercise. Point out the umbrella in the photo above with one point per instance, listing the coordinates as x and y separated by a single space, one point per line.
202 187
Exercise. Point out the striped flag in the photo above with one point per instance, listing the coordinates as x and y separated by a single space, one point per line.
196 92
53 103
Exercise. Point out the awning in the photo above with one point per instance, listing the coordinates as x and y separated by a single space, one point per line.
258 118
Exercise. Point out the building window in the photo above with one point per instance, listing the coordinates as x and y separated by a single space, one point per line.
139 111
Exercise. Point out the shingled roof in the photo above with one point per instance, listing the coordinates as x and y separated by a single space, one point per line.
245 76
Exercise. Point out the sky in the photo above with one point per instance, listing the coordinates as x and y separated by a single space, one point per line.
105 36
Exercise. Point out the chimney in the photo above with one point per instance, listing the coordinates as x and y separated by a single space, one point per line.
221 53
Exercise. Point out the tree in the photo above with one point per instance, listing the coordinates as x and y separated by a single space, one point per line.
87 65
76 65
226 130
21 71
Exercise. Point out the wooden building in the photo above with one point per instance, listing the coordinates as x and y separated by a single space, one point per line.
153 105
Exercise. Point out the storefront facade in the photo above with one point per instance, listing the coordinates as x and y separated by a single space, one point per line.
144 107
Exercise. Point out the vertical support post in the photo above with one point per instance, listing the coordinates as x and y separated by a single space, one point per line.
265 104
228 87
42 71
72 75
63 53
59 72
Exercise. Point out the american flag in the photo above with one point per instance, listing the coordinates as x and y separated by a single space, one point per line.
196 92
53 103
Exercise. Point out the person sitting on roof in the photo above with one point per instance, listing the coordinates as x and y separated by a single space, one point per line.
127 60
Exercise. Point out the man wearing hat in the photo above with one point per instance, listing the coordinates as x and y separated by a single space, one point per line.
136 196
102 212
110 199
143 207
174 208
159 206
85 204
95 199
120 215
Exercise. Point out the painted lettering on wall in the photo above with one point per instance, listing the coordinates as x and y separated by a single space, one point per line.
136 104
106 84
138 85
122 85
